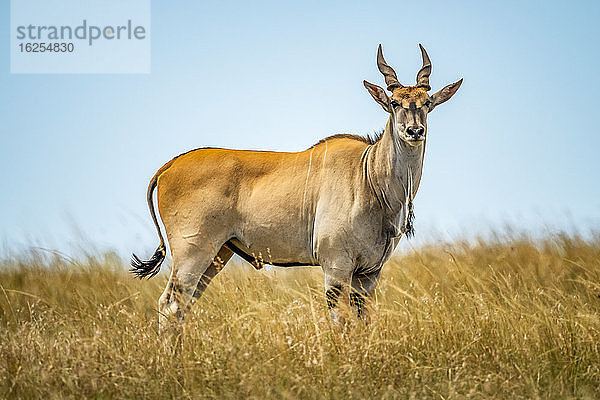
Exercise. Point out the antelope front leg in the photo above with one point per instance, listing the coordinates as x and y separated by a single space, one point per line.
337 282
363 287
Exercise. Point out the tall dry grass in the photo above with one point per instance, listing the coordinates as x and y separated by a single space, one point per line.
493 319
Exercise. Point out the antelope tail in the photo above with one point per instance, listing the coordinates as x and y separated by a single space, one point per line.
149 268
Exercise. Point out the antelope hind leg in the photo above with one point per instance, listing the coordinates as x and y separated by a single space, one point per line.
190 262
217 264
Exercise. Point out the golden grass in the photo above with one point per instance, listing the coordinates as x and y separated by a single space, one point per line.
497 319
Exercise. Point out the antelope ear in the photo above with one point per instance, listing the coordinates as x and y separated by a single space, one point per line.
379 95
445 94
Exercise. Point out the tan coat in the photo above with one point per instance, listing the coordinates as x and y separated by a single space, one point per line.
342 204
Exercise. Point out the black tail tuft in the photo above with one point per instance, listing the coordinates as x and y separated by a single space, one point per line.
148 268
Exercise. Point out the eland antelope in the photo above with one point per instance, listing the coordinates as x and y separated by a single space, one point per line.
342 204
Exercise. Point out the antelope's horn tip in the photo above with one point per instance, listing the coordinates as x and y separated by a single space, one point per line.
426 60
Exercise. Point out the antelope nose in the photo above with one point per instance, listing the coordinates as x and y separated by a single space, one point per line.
415 132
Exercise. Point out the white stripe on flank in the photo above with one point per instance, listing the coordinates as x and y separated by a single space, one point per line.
307 176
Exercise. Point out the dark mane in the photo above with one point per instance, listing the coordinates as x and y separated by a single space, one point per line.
368 139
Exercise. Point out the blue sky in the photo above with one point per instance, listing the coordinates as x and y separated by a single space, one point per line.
518 143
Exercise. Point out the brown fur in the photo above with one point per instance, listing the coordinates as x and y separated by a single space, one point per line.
343 204
368 139
410 94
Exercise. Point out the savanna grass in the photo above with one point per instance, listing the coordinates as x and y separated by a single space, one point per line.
504 318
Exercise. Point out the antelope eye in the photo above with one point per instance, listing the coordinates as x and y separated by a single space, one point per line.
394 103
